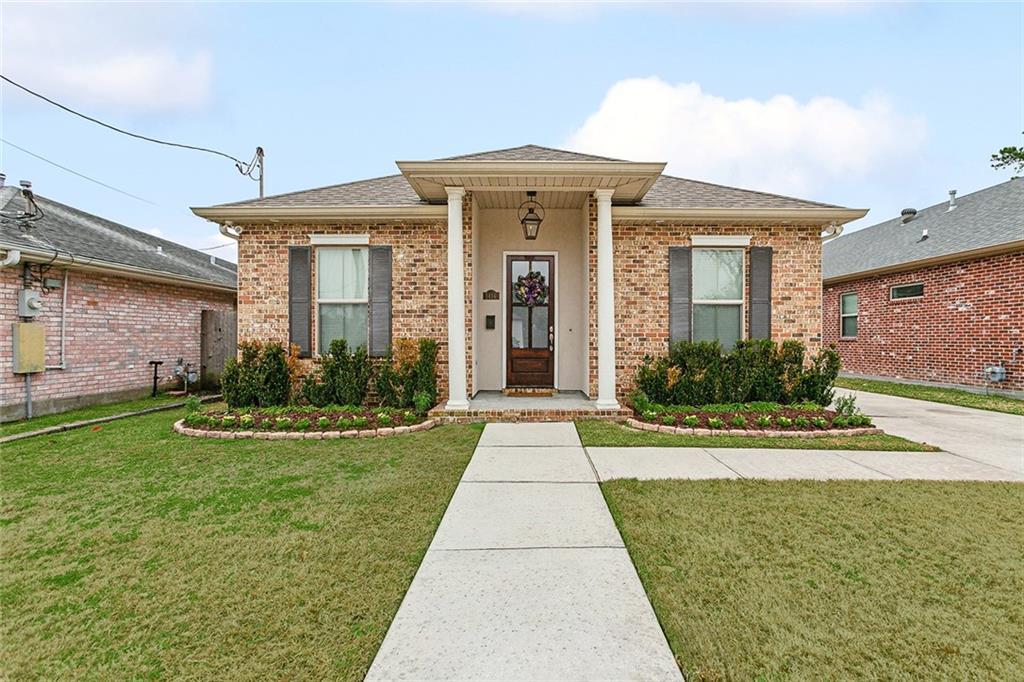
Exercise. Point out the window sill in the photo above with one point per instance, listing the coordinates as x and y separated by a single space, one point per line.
847 338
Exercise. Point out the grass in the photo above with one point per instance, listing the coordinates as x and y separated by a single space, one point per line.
91 412
596 433
132 552
950 396
838 580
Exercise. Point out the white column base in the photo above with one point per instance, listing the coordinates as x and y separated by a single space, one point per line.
453 405
607 404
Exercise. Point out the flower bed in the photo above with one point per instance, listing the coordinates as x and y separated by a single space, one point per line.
344 421
753 418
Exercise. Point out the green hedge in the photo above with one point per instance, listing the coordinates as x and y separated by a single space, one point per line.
756 370
340 377
259 378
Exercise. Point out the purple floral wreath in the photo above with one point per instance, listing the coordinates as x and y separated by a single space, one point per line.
531 289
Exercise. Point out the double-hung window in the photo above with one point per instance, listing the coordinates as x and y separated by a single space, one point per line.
342 299
848 315
718 295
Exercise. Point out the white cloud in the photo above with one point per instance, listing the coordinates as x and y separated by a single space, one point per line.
778 144
107 56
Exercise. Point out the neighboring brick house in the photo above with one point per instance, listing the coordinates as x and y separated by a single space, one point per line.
934 296
625 260
110 300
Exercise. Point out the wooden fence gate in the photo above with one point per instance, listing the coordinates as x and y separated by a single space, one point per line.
218 341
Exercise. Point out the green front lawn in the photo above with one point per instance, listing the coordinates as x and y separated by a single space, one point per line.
830 581
950 396
133 552
595 433
84 413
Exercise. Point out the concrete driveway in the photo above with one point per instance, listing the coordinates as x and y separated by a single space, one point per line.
992 438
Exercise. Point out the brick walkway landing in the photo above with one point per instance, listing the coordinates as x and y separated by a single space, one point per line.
493 406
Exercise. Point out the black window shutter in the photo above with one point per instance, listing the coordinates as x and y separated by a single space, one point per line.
760 292
299 288
680 263
380 301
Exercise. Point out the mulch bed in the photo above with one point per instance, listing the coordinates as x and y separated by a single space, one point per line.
268 422
751 419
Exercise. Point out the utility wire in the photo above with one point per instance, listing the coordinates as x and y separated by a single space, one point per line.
219 246
242 167
74 172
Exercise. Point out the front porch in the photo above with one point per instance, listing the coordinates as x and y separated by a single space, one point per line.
494 406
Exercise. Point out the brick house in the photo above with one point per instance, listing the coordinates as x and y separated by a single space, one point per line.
933 296
109 299
625 259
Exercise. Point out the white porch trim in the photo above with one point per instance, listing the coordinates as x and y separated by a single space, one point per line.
339 239
730 240
457 399
605 304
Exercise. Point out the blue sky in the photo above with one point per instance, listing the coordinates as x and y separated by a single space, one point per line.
870 105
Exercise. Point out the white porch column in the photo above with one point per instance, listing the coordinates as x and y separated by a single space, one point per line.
456 304
605 303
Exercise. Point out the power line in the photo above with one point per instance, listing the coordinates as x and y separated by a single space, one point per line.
74 172
219 246
252 170
121 130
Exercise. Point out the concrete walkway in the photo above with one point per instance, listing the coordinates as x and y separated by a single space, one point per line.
981 435
527 577
700 463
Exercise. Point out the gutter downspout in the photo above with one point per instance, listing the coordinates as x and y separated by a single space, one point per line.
13 257
229 230
831 232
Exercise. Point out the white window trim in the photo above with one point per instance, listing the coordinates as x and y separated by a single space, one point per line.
339 239
843 315
329 301
906 284
741 302
726 240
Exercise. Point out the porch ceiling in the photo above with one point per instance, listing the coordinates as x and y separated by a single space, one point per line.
630 181
514 199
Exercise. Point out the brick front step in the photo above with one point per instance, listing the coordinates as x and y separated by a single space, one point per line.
526 415
752 433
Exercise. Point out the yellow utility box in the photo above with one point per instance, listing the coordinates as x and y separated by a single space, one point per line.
29 347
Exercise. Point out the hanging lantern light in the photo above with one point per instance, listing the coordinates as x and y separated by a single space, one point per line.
531 215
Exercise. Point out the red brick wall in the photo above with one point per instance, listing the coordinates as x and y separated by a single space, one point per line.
115 326
641 286
971 315
419 279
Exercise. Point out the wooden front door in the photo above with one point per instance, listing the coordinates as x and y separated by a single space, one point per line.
530 321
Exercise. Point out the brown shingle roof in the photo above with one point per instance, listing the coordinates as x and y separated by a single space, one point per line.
673 192
528 152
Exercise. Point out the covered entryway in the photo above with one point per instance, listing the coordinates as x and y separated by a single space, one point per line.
530 321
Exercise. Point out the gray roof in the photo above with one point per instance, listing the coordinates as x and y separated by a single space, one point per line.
528 152
673 192
986 218
394 190
84 236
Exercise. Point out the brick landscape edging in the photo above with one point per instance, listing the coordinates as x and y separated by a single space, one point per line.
179 427
754 433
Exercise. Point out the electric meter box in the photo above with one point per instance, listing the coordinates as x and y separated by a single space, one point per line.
29 347
30 303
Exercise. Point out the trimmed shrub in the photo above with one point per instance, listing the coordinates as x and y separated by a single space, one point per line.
668 420
802 422
755 371
764 421
360 422
301 424
692 421
227 421
820 422
283 423
340 377
272 373
784 422
247 421
323 423
193 404
716 423
739 421
409 378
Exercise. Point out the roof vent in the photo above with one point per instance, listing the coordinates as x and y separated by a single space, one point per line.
159 249
3 179
907 214
213 260
952 200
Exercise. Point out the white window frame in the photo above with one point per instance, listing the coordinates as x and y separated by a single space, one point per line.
843 315
329 301
906 284
742 302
